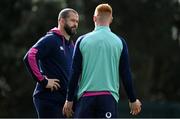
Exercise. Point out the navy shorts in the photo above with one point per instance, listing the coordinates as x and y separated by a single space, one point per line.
101 106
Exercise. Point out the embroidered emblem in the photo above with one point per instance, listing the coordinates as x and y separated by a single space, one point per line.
61 48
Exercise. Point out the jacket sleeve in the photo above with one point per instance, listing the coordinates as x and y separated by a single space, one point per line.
39 51
76 71
125 73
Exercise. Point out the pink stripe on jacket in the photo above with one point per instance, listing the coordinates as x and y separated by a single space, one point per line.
33 63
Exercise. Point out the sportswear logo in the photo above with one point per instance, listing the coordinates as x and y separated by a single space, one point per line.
108 114
61 48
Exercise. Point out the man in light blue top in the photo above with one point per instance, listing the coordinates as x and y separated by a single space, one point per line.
100 61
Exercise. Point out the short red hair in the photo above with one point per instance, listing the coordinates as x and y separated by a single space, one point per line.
103 8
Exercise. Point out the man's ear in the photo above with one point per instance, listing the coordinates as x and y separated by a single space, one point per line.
61 21
94 18
111 20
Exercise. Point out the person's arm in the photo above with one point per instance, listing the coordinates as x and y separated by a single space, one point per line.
76 71
39 51
125 73
31 60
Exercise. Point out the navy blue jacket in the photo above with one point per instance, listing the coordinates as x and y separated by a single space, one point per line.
51 56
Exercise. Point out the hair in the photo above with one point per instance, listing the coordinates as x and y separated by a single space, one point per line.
103 9
65 13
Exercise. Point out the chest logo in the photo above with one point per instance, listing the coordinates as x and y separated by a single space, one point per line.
61 48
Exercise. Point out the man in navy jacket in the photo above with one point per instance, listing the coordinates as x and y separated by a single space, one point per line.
49 62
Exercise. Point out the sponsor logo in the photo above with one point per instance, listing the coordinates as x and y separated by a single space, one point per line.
108 115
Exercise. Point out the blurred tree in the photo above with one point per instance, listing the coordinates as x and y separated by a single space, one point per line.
145 24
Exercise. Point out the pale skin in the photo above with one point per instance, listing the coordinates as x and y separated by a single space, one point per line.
72 22
135 107
53 84
67 109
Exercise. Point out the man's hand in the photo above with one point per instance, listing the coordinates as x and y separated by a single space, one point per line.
67 109
135 107
53 84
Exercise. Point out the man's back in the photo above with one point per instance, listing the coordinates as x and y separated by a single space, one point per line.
100 58
101 50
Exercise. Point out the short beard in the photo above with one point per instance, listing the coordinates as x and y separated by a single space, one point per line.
69 30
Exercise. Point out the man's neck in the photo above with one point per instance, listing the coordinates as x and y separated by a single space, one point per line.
102 24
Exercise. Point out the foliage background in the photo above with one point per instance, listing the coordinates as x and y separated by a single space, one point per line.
151 29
